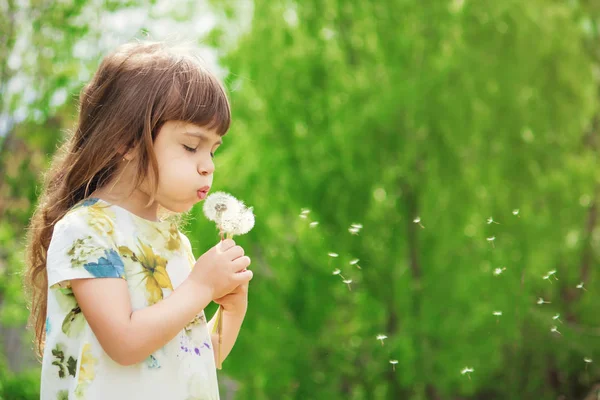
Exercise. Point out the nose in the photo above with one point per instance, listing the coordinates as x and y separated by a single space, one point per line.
206 167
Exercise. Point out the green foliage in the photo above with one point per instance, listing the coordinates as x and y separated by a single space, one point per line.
380 113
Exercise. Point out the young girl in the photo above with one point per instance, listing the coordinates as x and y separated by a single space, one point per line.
117 298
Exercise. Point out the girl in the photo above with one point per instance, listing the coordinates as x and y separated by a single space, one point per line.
117 298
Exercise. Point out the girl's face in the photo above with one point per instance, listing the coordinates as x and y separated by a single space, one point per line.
185 154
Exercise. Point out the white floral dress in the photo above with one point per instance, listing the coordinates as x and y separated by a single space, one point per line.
97 240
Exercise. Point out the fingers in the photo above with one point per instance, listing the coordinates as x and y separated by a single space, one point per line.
235 252
225 245
244 276
241 263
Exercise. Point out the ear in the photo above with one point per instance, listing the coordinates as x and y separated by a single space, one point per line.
128 154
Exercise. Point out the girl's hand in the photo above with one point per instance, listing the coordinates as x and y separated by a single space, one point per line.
236 302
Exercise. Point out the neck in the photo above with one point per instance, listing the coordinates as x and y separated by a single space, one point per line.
119 191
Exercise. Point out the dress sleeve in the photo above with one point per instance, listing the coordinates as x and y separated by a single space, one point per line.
81 248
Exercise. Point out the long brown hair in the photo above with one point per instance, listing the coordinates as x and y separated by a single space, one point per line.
137 88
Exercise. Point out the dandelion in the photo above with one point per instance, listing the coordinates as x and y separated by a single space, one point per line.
580 286
491 240
237 221
542 301
232 218
490 220
554 329
467 370
348 282
418 221
313 224
381 337
557 318
393 362
355 262
498 271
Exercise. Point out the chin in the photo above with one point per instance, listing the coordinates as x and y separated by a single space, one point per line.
179 208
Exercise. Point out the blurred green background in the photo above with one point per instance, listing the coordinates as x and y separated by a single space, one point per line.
462 135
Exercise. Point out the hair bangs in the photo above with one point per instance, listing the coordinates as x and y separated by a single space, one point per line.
197 97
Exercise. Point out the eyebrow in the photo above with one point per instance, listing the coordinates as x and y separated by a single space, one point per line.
202 136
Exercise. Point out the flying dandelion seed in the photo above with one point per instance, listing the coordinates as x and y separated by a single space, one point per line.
498 271
337 271
356 226
554 329
333 255
546 278
348 282
515 212
580 286
353 231
418 221
355 262
304 213
467 371
313 224
393 362
557 318
381 338
542 301
490 220
497 314
587 361
491 240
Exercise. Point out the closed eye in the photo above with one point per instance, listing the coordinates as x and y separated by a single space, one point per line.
190 149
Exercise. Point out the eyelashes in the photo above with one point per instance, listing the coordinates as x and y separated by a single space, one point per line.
193 151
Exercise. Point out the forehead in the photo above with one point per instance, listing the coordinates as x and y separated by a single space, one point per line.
182 128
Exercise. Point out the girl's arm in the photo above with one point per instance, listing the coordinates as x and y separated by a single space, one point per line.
127 336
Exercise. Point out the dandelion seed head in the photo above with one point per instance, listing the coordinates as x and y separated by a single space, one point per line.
333 255
354 262
381 337
356 226
353 231
337 271
237 221
394 362
217 203
313 224
556 317
587 360
550 273
347 281
498 271
466 370
580 286
417 220
497 313
515 211
491 239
